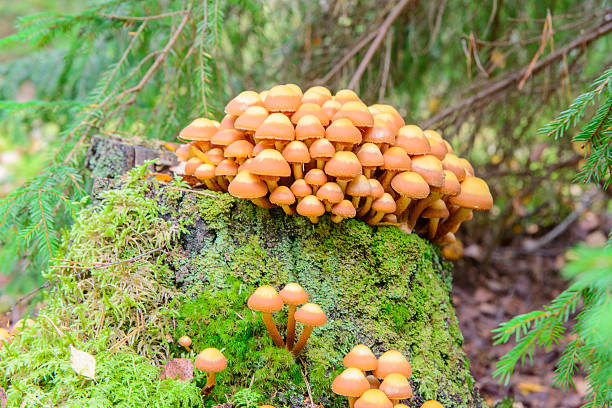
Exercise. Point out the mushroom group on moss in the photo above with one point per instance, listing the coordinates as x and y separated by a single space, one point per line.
313 152
360 382
267 300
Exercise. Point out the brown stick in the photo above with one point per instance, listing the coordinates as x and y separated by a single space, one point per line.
504 84
382 31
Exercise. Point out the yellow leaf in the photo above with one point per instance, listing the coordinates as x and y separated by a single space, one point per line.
82 363
527 388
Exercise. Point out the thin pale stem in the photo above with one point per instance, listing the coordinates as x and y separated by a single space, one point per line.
272 330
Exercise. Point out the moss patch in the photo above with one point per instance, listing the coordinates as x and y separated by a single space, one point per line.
378 286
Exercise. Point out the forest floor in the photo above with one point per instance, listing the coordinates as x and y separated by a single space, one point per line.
513 283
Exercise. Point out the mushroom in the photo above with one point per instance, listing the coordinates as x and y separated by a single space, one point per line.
474 195
296 154
261 146
282 98
373 398
283 197
453 251
438 148
310 315
469 170
344 209
206 173
21 325
346 95
293 295
300 189
454 164
185 341
357 112
251 119
310 109
309 129
295 88
330 193
376 191
191 165
316 96
436 211
393 361
270 166
5 336
432 404
225 137
360 357
343 134
381 206
357 188
311 207
389 219
277 128
242 102
240 150
382 133
344 166
199 132
410 186
211 361
396 387
315 178
351 383
388 109
182 152
227 122
370 157
215 155
395 160
322 151
246 185
374 382
267 301
412 140
330 107
450 187
225 172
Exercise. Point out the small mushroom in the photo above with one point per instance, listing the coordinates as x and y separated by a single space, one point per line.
311 207
267 301
344 209
436 211
293 295
240 151
393 361
346 95
396 160
322 151
351 383
310 109
370 157
396 387
358 187
412 140
246 185
313 95
270 166
310 315
211 361
383 205
360 357
331 107
242 102
251 119
330 193
276 128
373 398
357 112
283 197
300 189
296 154
410 186
206 173
185 341
281 98
344 166
343 134
315 178
376 191
450 187
432 404
309 129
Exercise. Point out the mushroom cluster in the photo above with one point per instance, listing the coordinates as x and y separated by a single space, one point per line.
267 300
314 152
360 382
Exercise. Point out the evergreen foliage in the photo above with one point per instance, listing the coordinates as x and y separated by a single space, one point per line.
589 269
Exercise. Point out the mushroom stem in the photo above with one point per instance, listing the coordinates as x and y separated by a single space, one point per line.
366 206
272 184
454 221
433 227
262 202
297 171
222 182
272 330
420 206
199 154
328 206
376 218
355 201
351 401
314 220
336 218
315 189
302 340
291 327
279 146
210 379
402 204
288 210
367 172
320 164
395 401
209 184
386 180
342 184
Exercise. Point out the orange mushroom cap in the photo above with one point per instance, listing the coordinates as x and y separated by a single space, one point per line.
265 299
185 341
315 177
311 314
474 194
201 129
227 167
357 112
430 168
310 206
361 357
248 186
382 131
282 195
309 127
276 127
205 171
370 156
210 360
344 209
239 149
376 189
251 119
282 98
322 149
359 187
270 163
384 204
346 95
330 192
410 184
300 188
330 107
412 140
432 404
226 137
343 131
315 96
438 148
396 159
294 294
296 152
437 209
396 386
373 398
453 163
344 165
350 383
393 361
310 109
242 102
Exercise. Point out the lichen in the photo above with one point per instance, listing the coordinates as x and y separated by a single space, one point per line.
378 286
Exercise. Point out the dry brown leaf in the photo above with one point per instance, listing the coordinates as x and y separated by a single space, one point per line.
527 388
179 368
82 363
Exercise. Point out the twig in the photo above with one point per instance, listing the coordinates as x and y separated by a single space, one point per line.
304 372
382 31
547 35
142 18
386 66
116 346
104 265
501 86
347 57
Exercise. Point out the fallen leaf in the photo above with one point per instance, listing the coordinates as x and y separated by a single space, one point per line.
177 368
83 363
3 398
527 388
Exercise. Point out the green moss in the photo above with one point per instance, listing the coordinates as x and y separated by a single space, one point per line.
378 286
